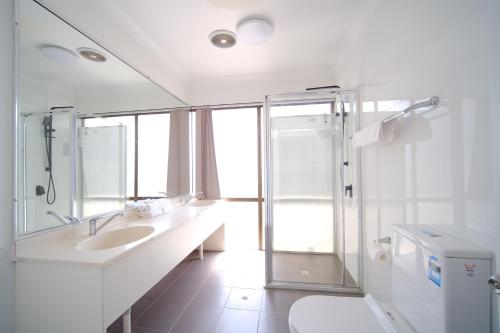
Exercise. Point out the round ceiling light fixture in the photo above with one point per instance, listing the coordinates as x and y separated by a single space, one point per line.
91 54
235 4
59 54
254 30
223 39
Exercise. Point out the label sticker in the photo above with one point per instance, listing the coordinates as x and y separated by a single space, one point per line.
470 269
434 271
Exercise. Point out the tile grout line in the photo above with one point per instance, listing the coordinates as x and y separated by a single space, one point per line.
161 294
260 311
211 270
223 307
192 299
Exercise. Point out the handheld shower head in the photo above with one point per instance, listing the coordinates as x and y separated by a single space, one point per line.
47 133
46 121
47 126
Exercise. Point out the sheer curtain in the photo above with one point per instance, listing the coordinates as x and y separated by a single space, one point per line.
206 164
178 154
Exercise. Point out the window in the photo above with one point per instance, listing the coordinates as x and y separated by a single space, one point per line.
152 146
153 154
235 132
237 141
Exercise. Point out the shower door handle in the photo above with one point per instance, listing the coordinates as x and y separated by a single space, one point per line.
348 188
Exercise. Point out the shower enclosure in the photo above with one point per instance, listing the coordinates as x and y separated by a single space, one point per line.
69 167
313 233
46 159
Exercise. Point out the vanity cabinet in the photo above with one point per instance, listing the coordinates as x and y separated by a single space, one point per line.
55 296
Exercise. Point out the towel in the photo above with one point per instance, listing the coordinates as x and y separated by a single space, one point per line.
379 133
151 208
163 204
151 212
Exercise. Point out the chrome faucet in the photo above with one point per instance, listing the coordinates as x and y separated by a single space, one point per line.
189 197
63 219
93 228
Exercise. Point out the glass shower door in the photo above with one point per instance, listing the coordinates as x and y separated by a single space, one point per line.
305 246
46 161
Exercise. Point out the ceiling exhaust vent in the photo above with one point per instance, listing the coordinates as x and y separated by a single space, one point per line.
223 39
91 54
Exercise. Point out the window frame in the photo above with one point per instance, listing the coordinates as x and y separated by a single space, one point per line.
135 115
259 199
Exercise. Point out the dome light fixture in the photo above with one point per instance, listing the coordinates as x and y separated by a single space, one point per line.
59 54
254 30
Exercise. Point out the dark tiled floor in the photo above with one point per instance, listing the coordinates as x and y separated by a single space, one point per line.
222 293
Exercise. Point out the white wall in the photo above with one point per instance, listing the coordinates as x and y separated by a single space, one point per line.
124 98
254 88
6 170
443 168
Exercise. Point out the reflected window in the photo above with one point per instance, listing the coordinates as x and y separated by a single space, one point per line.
151 159
392 105
301 110
129 122
368 106
153 154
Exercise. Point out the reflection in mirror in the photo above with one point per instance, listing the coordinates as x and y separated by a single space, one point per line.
102 166
45 168
88 139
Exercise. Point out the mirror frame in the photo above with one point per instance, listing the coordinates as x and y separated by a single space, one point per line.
17 113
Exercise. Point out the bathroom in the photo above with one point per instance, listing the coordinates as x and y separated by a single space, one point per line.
229 172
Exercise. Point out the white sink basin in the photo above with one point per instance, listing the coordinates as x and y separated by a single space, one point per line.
201 203
115 238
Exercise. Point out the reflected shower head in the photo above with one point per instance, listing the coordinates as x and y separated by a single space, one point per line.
47 127
47 120
47 133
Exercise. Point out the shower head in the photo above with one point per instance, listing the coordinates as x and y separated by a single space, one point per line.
47 126
47 120
47 133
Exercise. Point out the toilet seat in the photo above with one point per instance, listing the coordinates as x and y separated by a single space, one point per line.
336 314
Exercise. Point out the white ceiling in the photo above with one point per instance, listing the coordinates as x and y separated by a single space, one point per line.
84 79
39 27
309 34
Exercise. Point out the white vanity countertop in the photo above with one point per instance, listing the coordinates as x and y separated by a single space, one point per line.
61 246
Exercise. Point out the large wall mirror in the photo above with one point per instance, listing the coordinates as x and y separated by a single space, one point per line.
93 132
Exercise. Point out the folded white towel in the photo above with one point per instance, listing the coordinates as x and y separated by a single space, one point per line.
151 212
134 204
377 133
151 208
163 204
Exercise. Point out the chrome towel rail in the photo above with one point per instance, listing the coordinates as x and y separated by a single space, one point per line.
431 103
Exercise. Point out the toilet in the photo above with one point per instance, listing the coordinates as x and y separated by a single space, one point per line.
439 285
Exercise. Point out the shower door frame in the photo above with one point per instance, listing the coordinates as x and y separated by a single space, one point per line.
302 99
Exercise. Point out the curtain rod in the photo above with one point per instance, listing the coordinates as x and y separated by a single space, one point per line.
228 105
186 108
